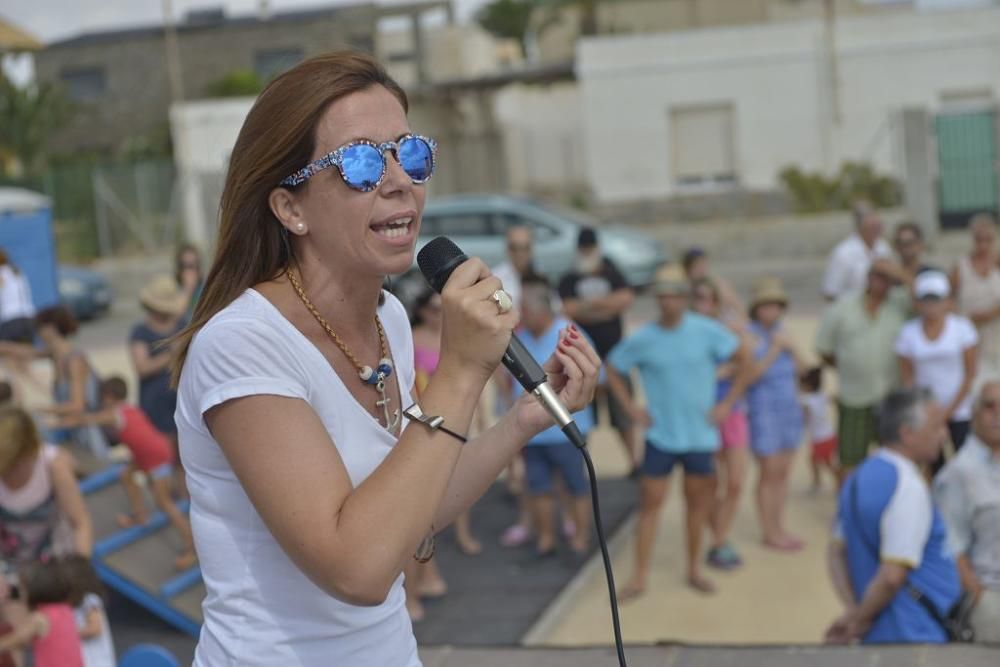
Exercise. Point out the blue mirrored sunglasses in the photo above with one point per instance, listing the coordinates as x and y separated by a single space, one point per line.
362 163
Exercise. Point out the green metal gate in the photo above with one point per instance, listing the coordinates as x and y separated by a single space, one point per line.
967 165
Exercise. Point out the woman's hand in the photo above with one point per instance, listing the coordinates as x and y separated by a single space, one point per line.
474 334
573 371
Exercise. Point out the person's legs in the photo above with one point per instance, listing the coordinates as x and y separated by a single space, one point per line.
735 461
570 464
159 481
137 504
468 544
654 482
411 586
766 482
538 467
785 459
431 583
699 493
855 433
623 425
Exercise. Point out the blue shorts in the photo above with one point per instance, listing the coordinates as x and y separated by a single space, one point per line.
658 463
540 461
162 471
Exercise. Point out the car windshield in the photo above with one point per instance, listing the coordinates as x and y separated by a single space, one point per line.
565 212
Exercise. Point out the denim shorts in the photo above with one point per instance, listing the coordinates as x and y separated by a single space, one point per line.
658 463
541 461
162 471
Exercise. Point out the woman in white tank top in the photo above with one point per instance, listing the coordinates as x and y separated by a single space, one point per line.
977 283
308 490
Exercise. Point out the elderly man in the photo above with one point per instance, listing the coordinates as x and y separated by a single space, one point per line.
856 337
888 558
968 492
847 269
520 247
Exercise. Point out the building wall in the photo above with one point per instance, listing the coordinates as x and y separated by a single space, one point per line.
137 94
777 80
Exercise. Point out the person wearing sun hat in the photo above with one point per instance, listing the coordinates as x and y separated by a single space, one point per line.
164 304
677 358
939 351
776 419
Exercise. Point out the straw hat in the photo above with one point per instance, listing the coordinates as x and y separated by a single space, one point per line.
164 296
670 280
768 290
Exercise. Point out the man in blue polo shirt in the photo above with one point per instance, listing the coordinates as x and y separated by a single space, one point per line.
677 358
890 545
550 452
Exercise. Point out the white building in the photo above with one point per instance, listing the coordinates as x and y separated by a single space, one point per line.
728 108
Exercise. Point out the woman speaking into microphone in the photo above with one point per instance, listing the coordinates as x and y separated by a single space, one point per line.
310 488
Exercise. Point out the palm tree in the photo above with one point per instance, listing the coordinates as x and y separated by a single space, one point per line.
508 19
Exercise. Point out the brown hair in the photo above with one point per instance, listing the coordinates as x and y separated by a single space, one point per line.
81 578
277 138
58 316
182 250
19 437
44 583
115 387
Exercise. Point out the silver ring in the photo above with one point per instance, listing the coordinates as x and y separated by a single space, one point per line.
503 301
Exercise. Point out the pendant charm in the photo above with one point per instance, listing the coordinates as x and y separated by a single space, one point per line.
391 421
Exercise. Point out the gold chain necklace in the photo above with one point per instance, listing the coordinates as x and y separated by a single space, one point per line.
375 377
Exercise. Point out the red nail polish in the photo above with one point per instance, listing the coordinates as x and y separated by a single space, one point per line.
573 327
573 334
566 343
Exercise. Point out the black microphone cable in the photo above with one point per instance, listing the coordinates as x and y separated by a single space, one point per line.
573 434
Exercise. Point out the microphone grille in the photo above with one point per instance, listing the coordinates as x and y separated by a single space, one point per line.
438 254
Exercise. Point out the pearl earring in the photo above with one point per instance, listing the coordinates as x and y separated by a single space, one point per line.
300 227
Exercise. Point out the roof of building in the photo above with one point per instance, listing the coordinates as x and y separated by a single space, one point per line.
13 38
203 19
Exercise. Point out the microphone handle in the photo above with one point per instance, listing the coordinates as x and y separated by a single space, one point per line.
522 365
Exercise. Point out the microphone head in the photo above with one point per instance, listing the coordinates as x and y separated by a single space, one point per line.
438 259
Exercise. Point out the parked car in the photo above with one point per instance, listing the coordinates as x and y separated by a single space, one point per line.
478 225
85 292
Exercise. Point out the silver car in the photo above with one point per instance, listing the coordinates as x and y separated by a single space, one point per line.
478 225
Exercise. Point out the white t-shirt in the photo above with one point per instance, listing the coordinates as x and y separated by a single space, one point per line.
511 280
98 651
15 295
260 609
819 424
847 269
938 364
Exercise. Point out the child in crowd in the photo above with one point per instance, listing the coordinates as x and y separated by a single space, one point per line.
86 598
151 455
822 436
49 630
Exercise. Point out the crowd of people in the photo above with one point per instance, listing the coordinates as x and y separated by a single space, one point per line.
915 351
51 600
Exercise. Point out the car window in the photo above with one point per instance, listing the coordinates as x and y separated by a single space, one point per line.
459 224
541 231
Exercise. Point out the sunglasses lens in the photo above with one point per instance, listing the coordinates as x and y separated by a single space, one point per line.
362 167
416 158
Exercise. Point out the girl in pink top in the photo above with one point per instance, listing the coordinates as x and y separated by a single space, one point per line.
50 629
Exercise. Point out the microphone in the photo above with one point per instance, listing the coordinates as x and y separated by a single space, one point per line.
437 260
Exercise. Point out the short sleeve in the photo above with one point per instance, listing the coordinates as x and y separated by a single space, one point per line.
904 345
949 493
826 337
567 287
906 522
238 357
833 279
627 354
723 343
968 336
614 276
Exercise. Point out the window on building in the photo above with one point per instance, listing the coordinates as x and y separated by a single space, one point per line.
84 84
703 145
272 62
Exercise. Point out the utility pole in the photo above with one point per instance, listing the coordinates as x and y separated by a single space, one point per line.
189 188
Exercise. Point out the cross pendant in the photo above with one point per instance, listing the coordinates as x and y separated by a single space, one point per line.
391 421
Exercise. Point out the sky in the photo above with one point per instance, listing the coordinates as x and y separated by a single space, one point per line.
51 20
